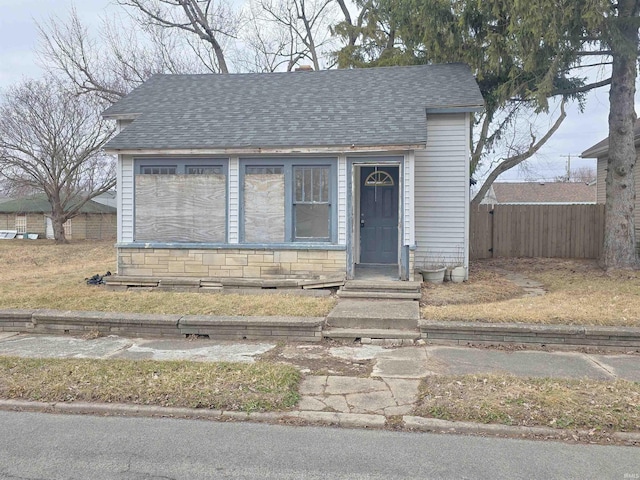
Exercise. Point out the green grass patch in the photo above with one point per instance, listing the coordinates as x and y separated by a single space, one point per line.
603 406
260 386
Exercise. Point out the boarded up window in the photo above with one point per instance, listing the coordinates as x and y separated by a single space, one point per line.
181 208
264 208
311 203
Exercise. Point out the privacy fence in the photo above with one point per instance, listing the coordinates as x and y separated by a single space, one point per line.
566 231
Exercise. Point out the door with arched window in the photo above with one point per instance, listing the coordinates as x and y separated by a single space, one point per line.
379 214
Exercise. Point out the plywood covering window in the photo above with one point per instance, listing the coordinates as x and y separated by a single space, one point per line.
264 206
288 200
181 203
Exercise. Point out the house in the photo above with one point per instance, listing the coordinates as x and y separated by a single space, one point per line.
600 151
310 174
540 193
33 215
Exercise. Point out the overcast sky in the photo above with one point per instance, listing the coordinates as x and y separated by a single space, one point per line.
19 37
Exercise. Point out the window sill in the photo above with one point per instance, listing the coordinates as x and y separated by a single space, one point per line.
234 246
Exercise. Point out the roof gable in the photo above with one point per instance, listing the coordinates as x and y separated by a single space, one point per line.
359 107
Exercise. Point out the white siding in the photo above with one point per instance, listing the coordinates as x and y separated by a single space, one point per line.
342 200
234 202
442 190
125 200
409 207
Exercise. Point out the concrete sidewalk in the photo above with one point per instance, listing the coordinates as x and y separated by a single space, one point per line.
388 386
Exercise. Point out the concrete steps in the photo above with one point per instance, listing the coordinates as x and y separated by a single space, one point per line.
389 290
374 314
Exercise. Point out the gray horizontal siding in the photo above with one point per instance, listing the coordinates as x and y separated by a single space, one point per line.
441 188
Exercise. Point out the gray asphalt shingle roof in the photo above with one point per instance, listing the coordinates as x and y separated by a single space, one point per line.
362 107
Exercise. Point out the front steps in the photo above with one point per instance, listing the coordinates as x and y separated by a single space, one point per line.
380 289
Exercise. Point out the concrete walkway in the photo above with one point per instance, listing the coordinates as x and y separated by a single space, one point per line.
390 388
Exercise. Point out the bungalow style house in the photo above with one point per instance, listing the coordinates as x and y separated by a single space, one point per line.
600 151
298 175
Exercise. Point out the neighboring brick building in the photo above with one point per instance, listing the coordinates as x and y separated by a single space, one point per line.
33 215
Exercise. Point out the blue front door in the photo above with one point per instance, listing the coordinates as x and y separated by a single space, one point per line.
379 214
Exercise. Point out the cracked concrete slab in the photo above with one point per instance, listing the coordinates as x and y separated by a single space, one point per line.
346 385
194 351
522 363
404 391
401 363
35 346
626 367
370 402
364 352
313 385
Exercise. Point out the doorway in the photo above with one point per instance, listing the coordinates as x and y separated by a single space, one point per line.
378 214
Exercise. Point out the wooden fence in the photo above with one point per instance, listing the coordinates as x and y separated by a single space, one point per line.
566 231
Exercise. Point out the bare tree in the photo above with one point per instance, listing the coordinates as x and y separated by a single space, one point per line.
306 26
583 174
51 141
211 22
116 58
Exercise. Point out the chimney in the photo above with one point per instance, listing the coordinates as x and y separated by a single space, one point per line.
304 68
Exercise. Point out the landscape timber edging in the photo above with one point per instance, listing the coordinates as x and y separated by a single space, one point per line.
571 336
44 321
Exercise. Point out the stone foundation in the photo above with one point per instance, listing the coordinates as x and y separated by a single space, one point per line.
230 263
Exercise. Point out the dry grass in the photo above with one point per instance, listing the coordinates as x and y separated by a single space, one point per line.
40 274
600 406
260 386
578 293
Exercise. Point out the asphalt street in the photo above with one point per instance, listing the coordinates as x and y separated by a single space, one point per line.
45 446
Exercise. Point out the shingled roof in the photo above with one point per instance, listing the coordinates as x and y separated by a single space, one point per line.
40 204
359 107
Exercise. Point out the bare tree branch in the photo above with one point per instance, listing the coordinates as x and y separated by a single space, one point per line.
508 163
51 141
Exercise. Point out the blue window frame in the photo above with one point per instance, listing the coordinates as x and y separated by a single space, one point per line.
309 198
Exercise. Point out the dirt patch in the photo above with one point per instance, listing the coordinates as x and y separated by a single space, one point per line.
484 285
577 292
317 360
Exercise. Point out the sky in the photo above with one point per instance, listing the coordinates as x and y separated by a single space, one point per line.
18 60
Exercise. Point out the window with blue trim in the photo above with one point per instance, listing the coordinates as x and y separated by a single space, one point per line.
181 200
288 200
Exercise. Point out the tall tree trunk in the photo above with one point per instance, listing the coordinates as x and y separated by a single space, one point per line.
57 220
619 234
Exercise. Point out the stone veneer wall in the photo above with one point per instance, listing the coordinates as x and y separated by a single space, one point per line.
230 263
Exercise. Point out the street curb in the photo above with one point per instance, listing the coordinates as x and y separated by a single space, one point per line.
436 425
350 420
346 420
